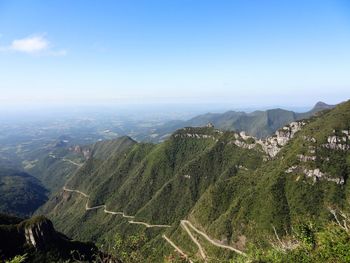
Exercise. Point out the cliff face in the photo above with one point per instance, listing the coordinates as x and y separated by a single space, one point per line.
39 233
271 145
38 238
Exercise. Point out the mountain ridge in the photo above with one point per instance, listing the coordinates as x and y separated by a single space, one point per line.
259 123
226 184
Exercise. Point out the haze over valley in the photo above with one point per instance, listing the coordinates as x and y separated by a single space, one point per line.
174 131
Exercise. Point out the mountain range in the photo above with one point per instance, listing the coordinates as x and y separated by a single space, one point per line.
259 123
210 193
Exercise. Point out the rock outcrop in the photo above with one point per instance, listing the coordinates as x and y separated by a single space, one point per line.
197 133
338 140
316 174
39 232
37 237
271 145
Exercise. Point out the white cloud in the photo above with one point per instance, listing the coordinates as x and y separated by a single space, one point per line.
34 45
30 45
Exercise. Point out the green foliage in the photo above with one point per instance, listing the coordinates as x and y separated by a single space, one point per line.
305 232
327 244
229 192
128 249
20 193
17 259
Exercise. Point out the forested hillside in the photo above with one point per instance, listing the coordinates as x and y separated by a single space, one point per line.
20 193
210 193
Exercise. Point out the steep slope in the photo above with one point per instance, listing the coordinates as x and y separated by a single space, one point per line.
37 239
305 180
157 184
217 190
20 193
54 166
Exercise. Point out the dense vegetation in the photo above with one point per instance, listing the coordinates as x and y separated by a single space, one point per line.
20 193
237 195
309 243
54 167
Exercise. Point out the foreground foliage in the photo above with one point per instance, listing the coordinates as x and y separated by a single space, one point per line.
330 243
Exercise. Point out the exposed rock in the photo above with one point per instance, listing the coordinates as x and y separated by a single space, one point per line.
338 141
291 169
243 144
316 174
210 125
18 237
242 167
76 149
309 139
305 158
87 153
195 136
39 233
271 145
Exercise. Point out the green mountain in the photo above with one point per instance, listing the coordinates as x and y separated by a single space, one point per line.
54 165
210 194
36 240
258 123
20 193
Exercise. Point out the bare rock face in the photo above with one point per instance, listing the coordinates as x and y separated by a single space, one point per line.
76 149
189 132
288 132
210 125
316 174
338 141
87 153
271 145
38 232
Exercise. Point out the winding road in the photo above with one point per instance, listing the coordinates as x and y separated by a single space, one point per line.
213 242
201 249
87 208
70 161
66 160
177 248
185 224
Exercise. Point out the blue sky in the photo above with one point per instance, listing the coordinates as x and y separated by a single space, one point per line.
242 53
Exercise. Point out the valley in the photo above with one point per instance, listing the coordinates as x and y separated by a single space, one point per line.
205 194
174 131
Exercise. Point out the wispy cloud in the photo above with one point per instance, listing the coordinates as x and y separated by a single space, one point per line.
30 44
34 45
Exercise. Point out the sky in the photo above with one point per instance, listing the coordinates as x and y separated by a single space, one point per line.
239 53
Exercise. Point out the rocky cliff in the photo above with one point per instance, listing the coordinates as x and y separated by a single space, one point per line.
38 238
